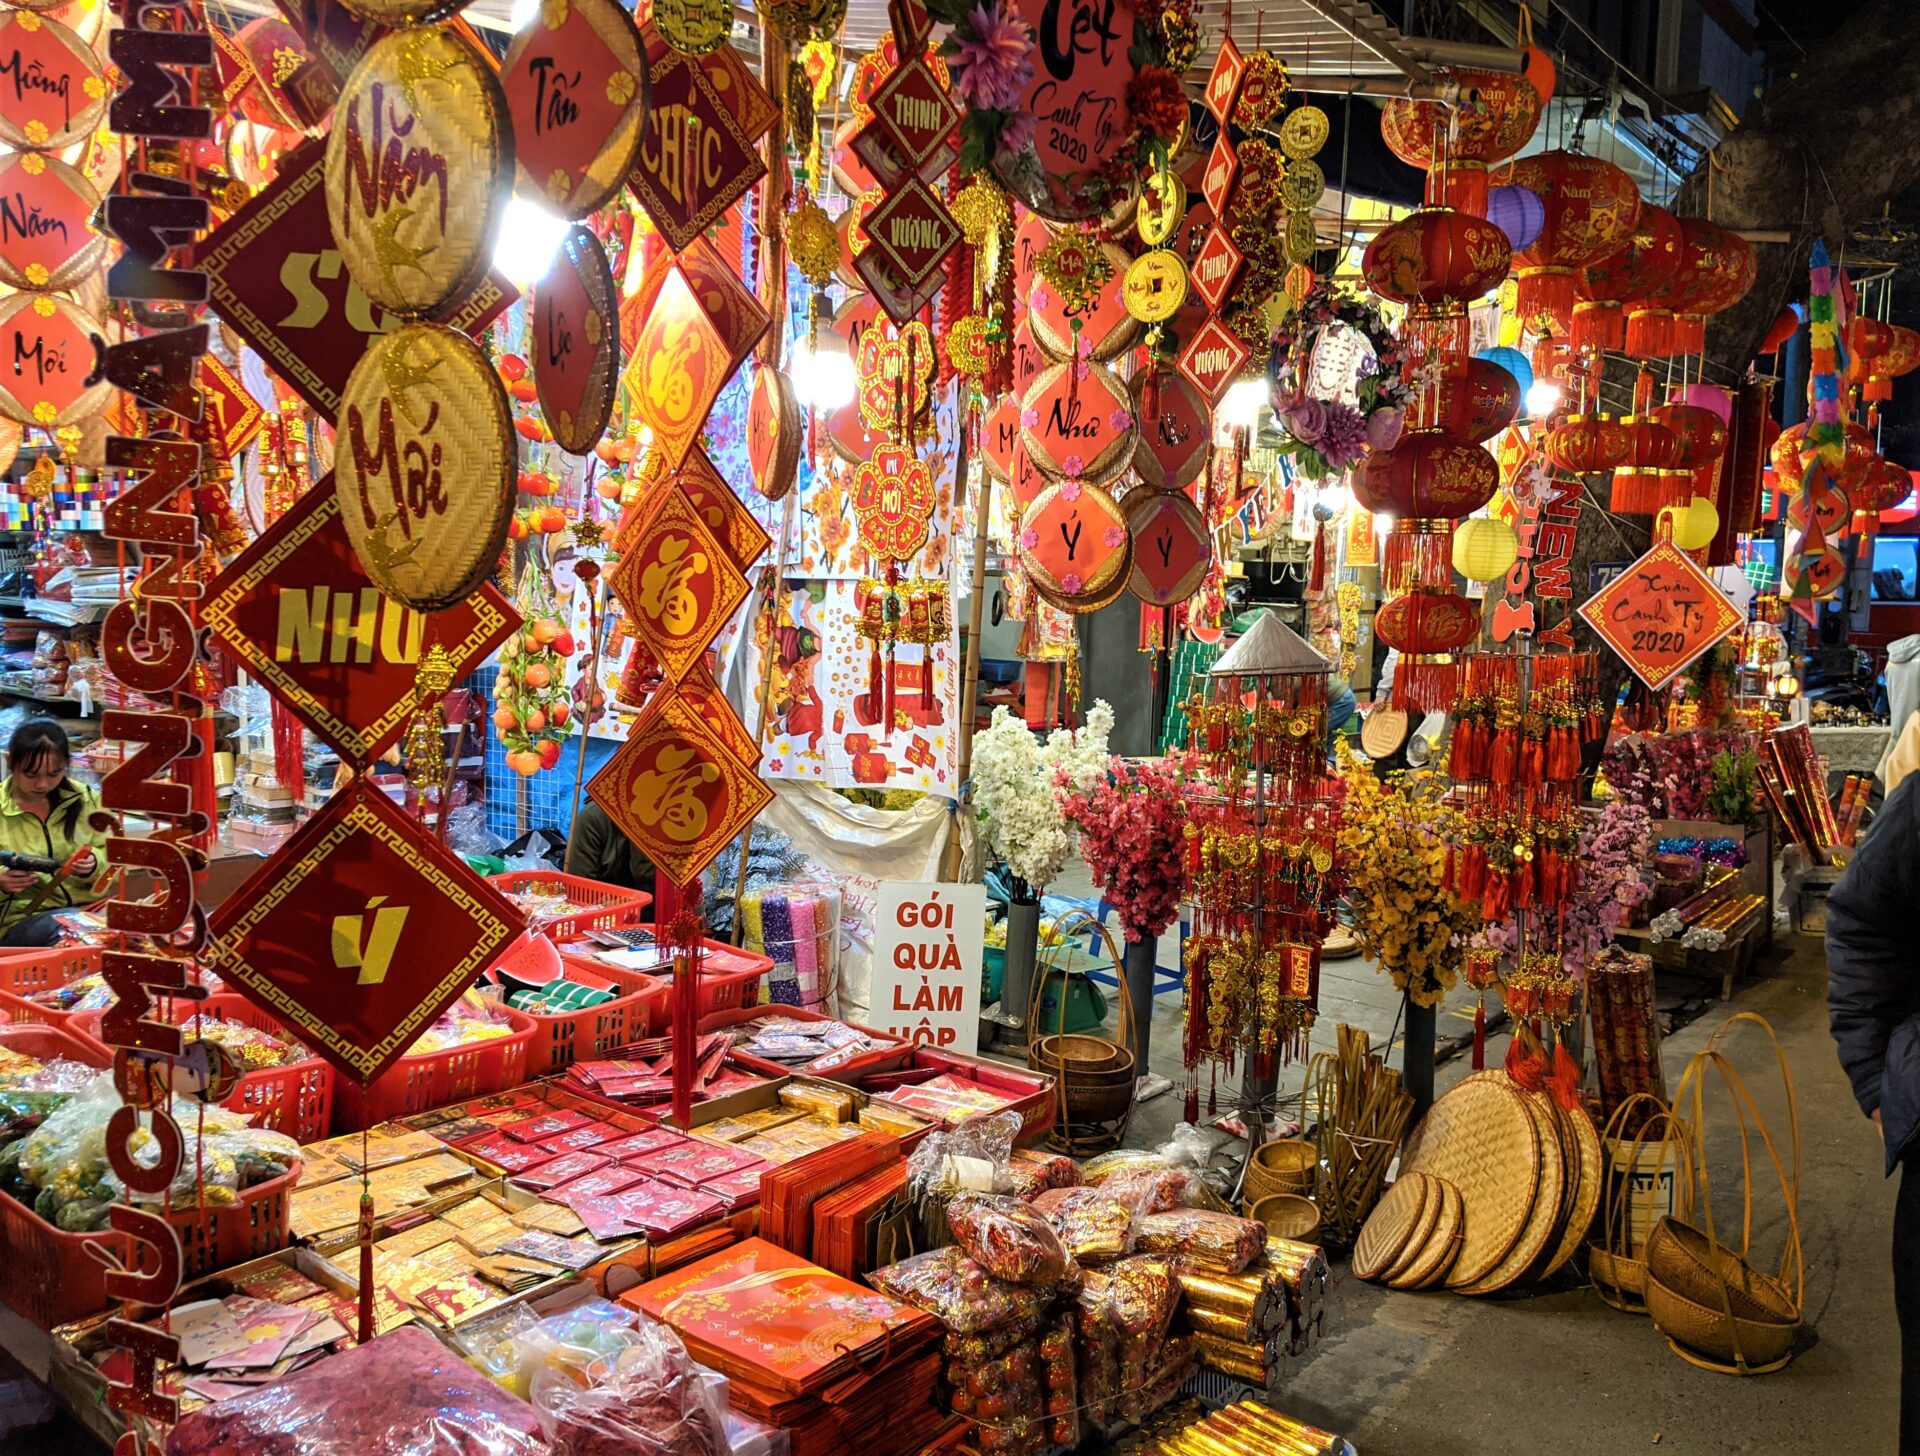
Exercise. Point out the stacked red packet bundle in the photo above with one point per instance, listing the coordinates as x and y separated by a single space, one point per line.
846 1222
643 1075
788 1193
842 1367
950 1098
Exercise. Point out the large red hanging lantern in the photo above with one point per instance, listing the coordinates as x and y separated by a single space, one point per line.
1877 355
1455 143
1607 290
1641 485
1885 487
1428 475
1588 444
1435 261
1702 440
1592 207
1717 267
1478 403
1427 622
1791 457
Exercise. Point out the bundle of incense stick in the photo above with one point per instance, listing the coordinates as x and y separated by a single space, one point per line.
1797 787
1853 804
1248 1429
1302 1272
1280 1297
1626 1027
1363 1113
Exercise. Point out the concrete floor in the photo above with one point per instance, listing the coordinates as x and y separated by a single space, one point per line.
1556 1370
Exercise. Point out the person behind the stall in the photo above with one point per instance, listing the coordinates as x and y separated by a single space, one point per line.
597 850
45 814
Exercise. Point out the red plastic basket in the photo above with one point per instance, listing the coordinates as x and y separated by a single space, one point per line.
296 1099
434 1079
49 1278
896 1053
559 1038
1032 1091
729 978
603 906
23 972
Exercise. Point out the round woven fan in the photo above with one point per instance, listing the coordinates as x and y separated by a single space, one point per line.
49 343
576 336
1105 329
58 93
1075 546
1543 1218
773 433
415 225
1172 548
50 241
1078 427
1481 1138
577 92
1176 430
1416 1244
424 465
1435 1259
1390 1226
1589 1182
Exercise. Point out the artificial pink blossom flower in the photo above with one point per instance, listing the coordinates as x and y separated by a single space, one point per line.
1029 538
1116 537
1120 419
1029 419
992 60
1070 490
1071 584
1040 298
1072 465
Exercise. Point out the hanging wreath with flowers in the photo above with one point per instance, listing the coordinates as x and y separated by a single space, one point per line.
990 53
1337 376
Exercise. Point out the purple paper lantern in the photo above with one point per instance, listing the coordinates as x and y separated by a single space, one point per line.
1518 213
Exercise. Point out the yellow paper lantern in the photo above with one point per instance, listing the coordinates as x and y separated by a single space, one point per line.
1484 549
1695 524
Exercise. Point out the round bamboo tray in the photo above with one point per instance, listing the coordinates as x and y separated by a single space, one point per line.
1391 1226
1286 1165
1084 1053
1288 1216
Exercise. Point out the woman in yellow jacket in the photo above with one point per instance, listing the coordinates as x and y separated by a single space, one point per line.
45 814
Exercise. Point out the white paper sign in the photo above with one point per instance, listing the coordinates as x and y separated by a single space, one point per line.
926 963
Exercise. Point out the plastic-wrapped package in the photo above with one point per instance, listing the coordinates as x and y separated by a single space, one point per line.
1093 1225
1007 1238
615 1383
958 1292
22 1073
1031 1173
1123 1313
1193 1238
1006 1398
1097 1170
404 1394
1063 1385
1172 1364
971 1156
989 1344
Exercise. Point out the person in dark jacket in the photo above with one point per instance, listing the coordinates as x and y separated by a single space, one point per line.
597 850
1873 1005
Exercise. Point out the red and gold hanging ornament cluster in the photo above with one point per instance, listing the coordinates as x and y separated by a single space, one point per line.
1260 854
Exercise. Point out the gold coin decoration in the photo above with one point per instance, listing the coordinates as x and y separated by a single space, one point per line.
1163 203
1303 185
695 27
1155 286
980 209
424 464
419 168
812 242
1304 131
1301 238
966 344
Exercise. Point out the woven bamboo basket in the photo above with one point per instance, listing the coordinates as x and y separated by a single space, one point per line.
1094 1090
1285 1165
1287 1216
1717 1309
1642 1125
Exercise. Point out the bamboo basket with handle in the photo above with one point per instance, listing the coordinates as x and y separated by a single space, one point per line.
1095 1080
1616 1256
1716 1307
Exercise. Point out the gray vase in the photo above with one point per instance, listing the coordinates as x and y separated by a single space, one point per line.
1023 948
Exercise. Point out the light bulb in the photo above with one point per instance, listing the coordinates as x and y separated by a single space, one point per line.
529 241
523 14
1543 398
1242 405
822 380
1382 524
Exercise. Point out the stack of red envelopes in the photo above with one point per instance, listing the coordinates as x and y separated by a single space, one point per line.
843 1367
643 1074
846 1223
789 1192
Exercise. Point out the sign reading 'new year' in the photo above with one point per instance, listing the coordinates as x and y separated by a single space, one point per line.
1660 614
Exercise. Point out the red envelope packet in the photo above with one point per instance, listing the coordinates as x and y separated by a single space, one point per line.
598 1184
582 1139
739 1188
539 1129
663 1209
628 1149
504 1152
694 1162
563 1169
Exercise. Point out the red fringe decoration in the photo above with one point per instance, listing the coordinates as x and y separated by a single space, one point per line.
1689 333
1599 326
1546 291
289 751
1418 556
1421 684
1675 487
1317 575
1480 1035
1563 1082
1650 333
1635 492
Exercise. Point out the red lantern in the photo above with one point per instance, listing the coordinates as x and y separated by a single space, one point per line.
1702 434
1479 403
1592 207
1792 456
1870 344
1588 444
1454 144
1716 269
1639 486
1429 475
1434 261
1785 325
1886 486
1427 622
1609 288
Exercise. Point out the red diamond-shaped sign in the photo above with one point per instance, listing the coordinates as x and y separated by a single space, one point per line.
732 524
1216 183
901 301
1223 85
913 126
697 322
1216 268
1213 359
695 157
360 932
298 611
676 583
1660 614
913 231
677 789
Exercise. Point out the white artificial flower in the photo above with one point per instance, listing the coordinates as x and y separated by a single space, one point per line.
1015 794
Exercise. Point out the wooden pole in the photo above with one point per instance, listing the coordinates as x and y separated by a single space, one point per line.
970 658
590 675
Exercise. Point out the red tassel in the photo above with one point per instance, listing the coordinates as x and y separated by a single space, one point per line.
1526 1067
1563 1082
1599 326
289 751
1317 575
1650 333
1522 879
1503 756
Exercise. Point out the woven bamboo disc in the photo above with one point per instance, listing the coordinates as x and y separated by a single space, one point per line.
1389 1226
1544 1222
417 239
425 465
1481 1138
1435 1260
1588 1181
1416 1245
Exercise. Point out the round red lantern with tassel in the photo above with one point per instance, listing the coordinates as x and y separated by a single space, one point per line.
1607 290
1717 267
1592 207
1455 144
1588 444
1638 486
1702 434
1429 474
1886 486
1427 622
1436 261
1792 456
1478 403
1876 356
